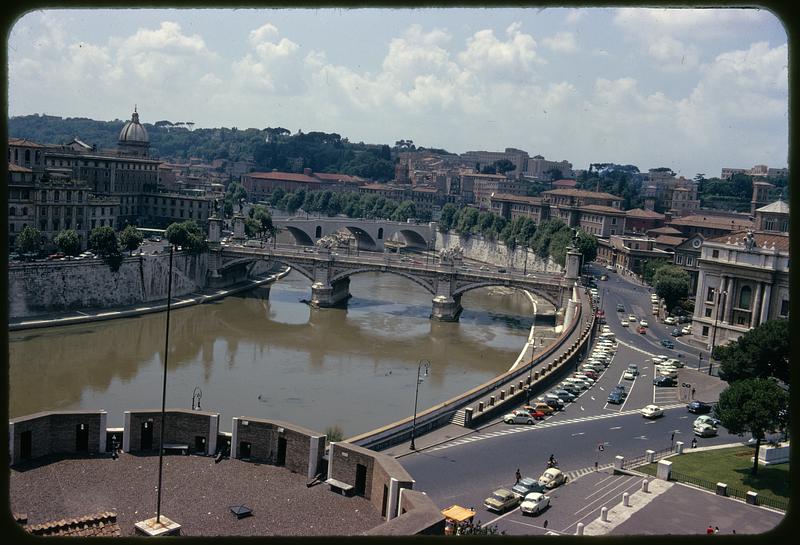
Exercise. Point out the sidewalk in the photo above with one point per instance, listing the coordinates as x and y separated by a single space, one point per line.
99 314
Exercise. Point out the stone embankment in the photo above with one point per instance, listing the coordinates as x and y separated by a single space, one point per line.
497 253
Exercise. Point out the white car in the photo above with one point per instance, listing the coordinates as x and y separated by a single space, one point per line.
609 268
552 477
584 378
705 419
534 503
704 430
624 323
643 323
518 417
666 372
687 330
669 320
674 362
653 298
631 318
628 375
652 411
660 359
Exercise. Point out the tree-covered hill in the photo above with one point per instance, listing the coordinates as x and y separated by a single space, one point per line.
270 148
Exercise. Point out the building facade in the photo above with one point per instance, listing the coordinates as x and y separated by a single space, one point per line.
743 282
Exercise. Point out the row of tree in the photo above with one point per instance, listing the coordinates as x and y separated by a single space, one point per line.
351 204
549 238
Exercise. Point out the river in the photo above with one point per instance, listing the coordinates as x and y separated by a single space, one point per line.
271 356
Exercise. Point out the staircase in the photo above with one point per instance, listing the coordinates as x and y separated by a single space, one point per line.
459 418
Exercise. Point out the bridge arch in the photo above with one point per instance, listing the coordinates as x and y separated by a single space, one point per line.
412 238
363 238
420 282
299 268
544 294
300 237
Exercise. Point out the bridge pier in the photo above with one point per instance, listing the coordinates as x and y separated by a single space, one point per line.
446 309
325 295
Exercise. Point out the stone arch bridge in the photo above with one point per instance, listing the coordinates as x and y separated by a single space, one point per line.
330 276
369 234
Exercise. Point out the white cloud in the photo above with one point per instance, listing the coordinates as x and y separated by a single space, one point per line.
271 66
486 52
563 42
700 23
575 15
672 55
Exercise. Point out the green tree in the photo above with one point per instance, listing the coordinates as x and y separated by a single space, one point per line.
103 240
672 284
188 235
405 211
468 218
447 218
587 246
754 405
276 196
130 238
650 267
762 352
29 240
68 242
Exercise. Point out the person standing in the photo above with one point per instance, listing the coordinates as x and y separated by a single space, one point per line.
716 529
710 530
519 476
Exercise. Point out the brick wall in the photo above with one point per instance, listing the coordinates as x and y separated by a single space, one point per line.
182 426
418 515
55 432
304 447
380 470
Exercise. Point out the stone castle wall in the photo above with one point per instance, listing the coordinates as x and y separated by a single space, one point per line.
36 288
495 252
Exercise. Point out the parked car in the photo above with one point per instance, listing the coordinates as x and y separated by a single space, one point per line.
501 500
518 417
609 268
591 373
553 403
615 397
670 320
534 503
674 362
664 381
686 330
603 277
633 368
705 419
705 430
653 298
666 343
698 407
552 477
501 270
571 388
676 332
621 389
652 411
540 406
527 485
667 372
684 319
564 395
620 307
628 375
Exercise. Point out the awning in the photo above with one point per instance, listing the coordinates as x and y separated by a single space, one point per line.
458 513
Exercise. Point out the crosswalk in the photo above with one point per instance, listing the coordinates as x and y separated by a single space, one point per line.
577 473
544 424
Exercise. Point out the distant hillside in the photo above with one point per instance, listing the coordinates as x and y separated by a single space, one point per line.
270 148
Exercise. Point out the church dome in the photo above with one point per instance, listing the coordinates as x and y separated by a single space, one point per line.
133 131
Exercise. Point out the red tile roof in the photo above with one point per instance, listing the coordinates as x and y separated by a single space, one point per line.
601 209
718 222
668 240
780 241
288 176
573 192
100 524
646 214
565 183
16 168
664 231
516 198
23 142
334 177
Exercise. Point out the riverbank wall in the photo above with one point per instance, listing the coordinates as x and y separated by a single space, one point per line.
497 253
42 287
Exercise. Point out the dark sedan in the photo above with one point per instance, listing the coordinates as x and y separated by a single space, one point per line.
698 407
664 381
666 343
615 397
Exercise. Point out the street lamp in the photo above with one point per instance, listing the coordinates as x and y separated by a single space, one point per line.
719 294
426 364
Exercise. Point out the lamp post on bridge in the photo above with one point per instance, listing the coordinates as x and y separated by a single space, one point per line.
426 364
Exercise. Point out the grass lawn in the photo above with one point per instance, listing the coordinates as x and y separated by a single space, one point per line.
733 467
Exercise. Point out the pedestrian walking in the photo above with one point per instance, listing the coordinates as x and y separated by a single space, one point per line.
694 442
545 524
710 530
519 476
692 393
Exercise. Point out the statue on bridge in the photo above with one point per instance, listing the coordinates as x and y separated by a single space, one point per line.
449 255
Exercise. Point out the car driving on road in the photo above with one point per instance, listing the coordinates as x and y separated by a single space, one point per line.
666 343
652 411
501 500
705 419
534 503
704 430
698 407
552 477
664 381
527 485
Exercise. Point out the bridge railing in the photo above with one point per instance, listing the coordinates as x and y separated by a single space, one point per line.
440 414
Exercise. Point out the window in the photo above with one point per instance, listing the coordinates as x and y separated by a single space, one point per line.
710 294
679 259
740 320
715 254
785 308
12 211
689 261
769 225
708 312
24 210
11 227
744 297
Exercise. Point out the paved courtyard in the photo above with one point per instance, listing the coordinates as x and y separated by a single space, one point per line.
197 494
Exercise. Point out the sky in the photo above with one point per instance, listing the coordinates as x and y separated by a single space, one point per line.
693 90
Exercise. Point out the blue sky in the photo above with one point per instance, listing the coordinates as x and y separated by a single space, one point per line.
694 90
